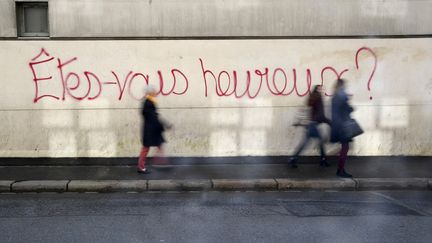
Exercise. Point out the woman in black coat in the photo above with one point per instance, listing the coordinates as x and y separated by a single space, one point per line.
341 111
317 116
152 130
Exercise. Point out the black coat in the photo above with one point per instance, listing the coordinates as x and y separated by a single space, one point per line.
317 109
153 128
341 111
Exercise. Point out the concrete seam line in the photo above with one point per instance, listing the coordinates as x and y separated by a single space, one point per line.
6 185
67 185
147 185
397 202
356 187
10 186
211 184
277 184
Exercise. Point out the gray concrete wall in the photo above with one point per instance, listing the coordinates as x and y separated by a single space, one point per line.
7 19
171 18
390 84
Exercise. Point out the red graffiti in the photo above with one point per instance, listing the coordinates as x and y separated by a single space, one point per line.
88 85
374 68
287 84
37 79
278 81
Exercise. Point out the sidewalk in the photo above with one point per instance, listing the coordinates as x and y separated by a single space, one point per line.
235 173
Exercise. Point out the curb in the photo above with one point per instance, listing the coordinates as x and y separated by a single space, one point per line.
317 184
179 185
5 186
107 186
392 183
278 184
39 186
247 184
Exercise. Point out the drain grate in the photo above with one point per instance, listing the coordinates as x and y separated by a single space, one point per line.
341 208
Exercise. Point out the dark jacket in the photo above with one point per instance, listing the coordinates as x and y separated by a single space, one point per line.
153 128
317 109
341 111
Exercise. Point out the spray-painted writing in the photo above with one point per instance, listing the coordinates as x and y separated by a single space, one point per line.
88 85
277 81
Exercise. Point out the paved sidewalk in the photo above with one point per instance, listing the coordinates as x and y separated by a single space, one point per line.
369 173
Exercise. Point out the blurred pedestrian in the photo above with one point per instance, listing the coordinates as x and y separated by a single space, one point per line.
152 132
341 111
316 117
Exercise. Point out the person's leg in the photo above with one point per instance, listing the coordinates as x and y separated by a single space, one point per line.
342 159
142 158
343 156
160 156
160 160
323 161
301 146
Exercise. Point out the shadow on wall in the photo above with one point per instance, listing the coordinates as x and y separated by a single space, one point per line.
80 131
255 129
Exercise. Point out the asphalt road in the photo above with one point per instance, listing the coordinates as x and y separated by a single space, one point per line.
397 216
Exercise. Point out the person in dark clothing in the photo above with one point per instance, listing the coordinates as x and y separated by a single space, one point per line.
152 132
341 111
317 116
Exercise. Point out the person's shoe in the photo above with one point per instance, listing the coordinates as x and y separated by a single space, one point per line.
293 163
144 171
324 163
343 174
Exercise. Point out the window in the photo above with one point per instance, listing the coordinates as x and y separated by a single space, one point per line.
32 19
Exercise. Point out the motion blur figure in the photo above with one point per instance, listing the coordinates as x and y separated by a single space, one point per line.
341 111
152 132
317 116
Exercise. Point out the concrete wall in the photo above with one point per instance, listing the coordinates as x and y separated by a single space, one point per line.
396 119
99 115
171 18
7 19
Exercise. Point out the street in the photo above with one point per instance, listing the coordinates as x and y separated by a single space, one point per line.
362 216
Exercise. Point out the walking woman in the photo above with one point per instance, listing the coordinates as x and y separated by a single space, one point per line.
317 116
341 111
152 130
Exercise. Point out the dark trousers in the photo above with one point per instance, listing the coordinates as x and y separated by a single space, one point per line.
311 132
343 155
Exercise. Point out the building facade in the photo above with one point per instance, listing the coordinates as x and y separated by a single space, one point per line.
232 74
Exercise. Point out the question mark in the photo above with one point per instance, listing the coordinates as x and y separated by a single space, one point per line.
375 65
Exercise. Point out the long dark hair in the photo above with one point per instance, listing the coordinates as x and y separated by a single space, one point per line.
315 95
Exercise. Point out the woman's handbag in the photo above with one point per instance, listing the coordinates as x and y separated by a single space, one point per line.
351 129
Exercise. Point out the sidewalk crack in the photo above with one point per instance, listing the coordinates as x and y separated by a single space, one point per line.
67 185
